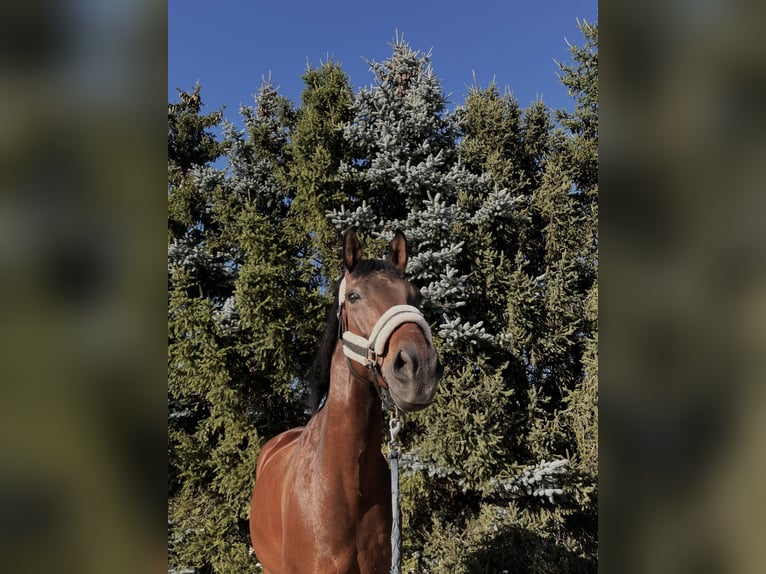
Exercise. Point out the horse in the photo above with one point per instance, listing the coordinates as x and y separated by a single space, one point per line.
321 500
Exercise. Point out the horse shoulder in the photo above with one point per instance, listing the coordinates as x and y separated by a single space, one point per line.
277 446
266 530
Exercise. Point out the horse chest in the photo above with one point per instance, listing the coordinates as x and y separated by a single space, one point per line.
342 511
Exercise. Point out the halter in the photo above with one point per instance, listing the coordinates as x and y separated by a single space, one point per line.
366 351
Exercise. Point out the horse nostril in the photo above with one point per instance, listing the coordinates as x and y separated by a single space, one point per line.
405 363
398 362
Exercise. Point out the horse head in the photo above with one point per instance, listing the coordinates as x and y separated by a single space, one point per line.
383 329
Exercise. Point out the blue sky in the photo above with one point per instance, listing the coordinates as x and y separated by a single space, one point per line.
230 45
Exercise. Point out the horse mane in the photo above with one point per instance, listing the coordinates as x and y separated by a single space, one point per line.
319 376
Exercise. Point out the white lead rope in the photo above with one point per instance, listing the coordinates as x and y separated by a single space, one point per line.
395 426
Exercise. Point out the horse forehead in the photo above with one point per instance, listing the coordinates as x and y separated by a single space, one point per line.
385 284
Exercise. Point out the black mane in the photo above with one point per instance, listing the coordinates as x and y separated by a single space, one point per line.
319 376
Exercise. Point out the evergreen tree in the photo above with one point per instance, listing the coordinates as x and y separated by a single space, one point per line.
190 146
317 149
580 156
581 79
404 174
504 260
399 137
244 315
546 265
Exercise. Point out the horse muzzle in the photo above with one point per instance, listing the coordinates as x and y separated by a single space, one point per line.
412 370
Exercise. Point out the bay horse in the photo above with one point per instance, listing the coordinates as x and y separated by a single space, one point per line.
322 496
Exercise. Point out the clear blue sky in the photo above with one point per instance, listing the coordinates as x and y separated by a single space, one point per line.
229 45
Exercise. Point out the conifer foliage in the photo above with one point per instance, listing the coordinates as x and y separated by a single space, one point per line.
499 205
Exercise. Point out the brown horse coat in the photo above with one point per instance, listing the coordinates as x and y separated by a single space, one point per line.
322 496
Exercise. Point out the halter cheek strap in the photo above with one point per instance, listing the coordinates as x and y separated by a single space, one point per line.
367 350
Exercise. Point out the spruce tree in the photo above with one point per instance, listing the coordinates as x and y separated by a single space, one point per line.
191 148
404 174
549 262
316 150
243 317
581 79
503 254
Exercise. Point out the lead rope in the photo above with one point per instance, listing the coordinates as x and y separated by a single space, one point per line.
394 426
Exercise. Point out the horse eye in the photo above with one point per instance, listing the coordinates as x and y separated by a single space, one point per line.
353 297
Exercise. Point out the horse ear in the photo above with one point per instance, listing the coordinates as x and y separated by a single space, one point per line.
352 250
398 252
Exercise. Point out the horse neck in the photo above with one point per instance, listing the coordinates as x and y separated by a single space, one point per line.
353 409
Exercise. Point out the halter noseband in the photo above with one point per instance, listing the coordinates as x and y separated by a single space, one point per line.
367 350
